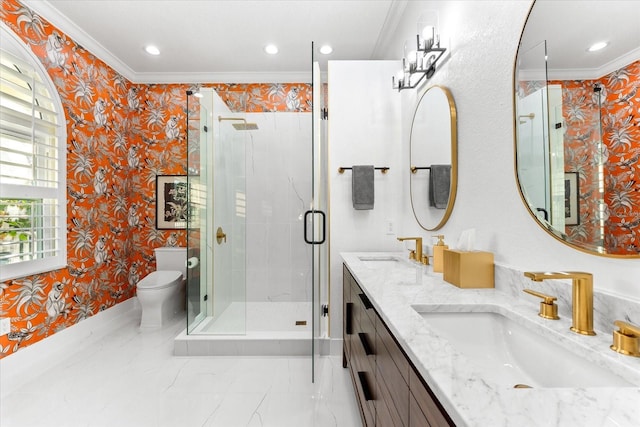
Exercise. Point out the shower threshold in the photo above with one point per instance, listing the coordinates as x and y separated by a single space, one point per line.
272 329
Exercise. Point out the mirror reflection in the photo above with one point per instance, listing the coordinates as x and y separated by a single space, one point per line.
577 123
433 157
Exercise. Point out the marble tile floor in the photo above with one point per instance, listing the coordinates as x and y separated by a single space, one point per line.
131 379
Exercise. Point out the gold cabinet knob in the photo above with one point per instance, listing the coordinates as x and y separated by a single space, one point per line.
548 308
626 340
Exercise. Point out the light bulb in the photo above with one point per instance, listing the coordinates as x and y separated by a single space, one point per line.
152 50
271 49
597 46
326 49
429 36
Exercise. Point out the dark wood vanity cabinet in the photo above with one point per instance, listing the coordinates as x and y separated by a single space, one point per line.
388 389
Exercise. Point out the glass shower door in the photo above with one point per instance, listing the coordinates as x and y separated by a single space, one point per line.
316 225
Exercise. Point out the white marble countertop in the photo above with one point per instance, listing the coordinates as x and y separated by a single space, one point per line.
470 400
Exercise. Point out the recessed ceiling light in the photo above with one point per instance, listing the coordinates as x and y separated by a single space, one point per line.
326 49
271 49
597 46
152 50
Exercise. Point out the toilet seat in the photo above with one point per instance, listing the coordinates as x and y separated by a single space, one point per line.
159 279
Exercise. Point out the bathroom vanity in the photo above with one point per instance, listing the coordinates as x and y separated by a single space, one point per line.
390 391
412 364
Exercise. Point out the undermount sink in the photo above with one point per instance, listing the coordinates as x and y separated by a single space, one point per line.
373 261
509 354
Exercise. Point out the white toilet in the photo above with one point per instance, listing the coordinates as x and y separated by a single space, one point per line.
161 293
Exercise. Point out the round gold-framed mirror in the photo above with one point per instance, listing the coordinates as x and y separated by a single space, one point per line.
576 123
434 158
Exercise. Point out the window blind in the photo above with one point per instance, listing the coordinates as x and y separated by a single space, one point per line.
32 192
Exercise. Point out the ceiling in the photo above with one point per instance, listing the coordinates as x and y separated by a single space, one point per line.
569 28
222 40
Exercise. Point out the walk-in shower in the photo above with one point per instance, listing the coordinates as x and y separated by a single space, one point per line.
255 284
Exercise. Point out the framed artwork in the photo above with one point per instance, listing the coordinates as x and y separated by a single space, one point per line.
571 199
171 202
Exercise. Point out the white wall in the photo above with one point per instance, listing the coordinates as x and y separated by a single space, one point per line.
483 39
364 129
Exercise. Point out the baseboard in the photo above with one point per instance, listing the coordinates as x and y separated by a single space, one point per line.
30 362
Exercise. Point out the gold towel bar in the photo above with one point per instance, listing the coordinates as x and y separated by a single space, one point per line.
383 169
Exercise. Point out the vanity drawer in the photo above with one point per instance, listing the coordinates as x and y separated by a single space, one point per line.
416 417
395 396
394 351
365 383
347 314
390 379
358 308
367 306
386 415
364 339
426 403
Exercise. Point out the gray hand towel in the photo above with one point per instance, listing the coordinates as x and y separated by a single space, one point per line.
439 183
362 187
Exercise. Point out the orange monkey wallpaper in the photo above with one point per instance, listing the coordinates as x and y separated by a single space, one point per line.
616 108
614 112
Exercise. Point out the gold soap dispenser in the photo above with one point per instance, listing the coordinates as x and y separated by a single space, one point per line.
438 254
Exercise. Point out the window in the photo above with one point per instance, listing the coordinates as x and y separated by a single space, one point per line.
32 165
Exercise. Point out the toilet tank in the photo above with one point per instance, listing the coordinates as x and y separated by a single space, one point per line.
171 258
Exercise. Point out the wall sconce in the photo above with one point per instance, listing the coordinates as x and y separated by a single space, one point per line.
420 63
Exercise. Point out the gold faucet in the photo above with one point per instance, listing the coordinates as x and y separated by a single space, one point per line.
582 297
417 254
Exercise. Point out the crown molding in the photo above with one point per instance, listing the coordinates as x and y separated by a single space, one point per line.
218 77
582 73
45 9
391 22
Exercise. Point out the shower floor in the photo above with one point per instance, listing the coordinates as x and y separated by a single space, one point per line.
271 330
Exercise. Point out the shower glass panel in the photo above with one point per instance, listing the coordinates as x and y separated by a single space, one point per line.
534 149
197 267
216 228
227 195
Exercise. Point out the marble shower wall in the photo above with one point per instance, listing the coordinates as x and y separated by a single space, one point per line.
279 190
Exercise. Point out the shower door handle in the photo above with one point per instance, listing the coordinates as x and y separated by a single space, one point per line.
313 241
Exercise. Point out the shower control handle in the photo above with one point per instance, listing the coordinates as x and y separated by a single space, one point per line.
220 236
